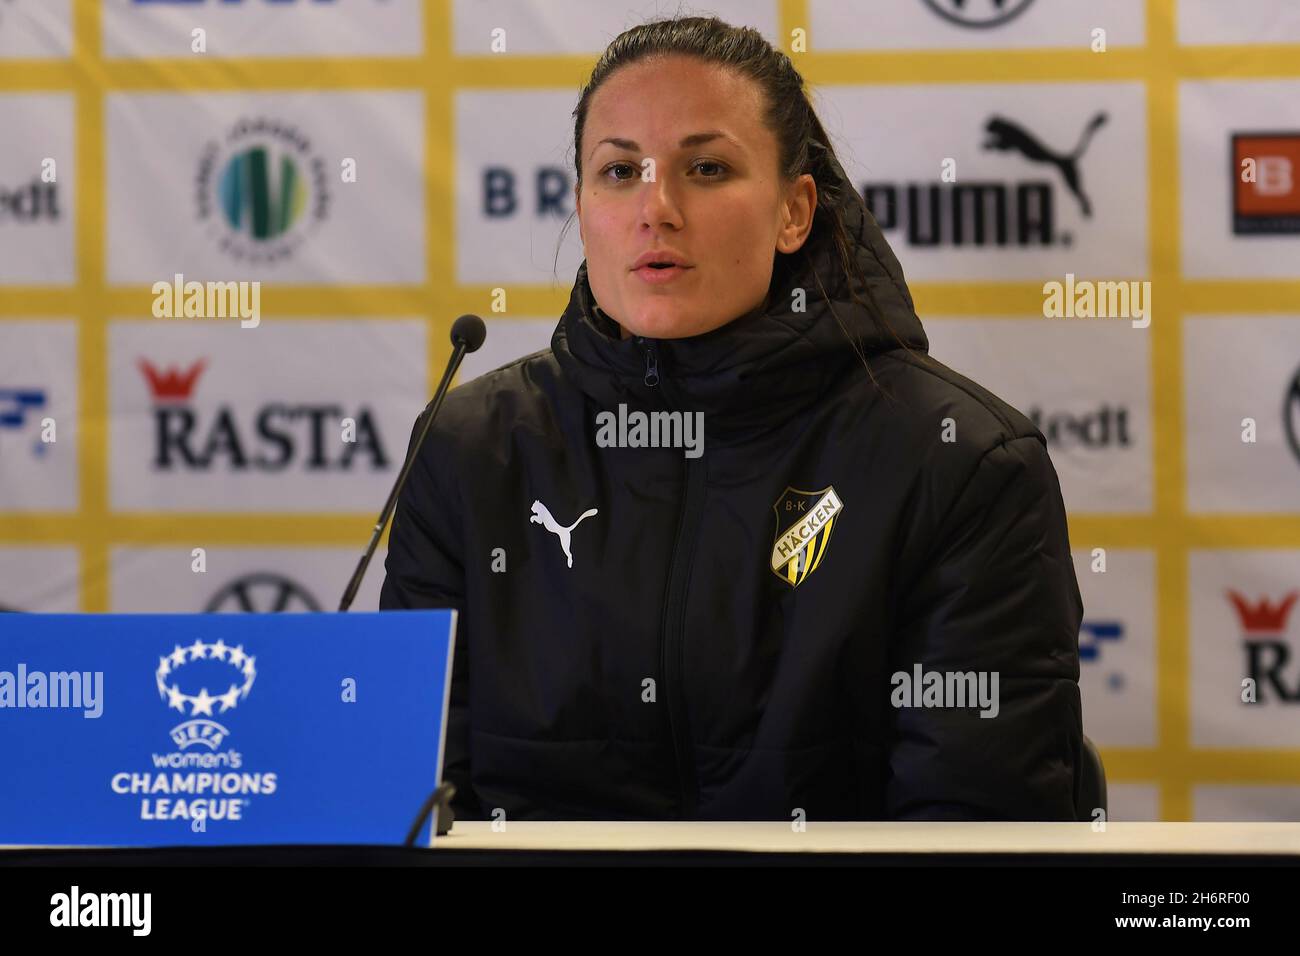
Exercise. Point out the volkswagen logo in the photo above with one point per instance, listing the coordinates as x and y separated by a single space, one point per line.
978 13
262 592
1291 415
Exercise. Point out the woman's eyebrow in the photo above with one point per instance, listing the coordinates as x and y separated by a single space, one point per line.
694 139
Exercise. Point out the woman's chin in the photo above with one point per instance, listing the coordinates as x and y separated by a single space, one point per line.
667 323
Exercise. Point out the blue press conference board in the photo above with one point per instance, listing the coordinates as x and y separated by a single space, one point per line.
246 718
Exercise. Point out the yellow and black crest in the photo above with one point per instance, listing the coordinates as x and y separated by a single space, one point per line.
804 521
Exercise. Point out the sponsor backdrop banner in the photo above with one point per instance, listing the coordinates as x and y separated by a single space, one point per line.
234 234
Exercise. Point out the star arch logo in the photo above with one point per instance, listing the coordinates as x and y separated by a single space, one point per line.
204 731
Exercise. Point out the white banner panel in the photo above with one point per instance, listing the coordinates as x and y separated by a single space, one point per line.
39 579
207 416
1084 382
507 340
1237 368
514 187
161 580
35 29
165 28
1245 648
1239 150
504 27
252 186
1216 22
1246 804
972 24
1000 181
1117 646
37 189
38 415
1132 802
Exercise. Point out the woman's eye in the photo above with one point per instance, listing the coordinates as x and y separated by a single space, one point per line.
613 166
713 170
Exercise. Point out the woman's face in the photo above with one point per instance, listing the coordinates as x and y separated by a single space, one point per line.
712 197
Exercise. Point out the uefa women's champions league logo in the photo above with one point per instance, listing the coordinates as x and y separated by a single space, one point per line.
207 732
198 786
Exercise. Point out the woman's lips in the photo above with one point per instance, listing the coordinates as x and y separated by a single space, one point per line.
655 276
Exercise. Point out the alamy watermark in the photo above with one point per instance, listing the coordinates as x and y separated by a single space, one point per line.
76 690
946 689
179 299
651 430
1086 299
75 909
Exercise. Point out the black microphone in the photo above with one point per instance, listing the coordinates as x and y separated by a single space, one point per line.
467 334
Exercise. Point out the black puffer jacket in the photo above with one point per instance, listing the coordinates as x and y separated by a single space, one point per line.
685 668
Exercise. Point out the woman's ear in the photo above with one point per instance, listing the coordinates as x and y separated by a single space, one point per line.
797 209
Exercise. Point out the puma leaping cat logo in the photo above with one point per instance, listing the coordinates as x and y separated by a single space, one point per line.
543 517
1006 135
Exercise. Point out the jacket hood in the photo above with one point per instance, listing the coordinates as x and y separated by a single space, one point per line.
758 368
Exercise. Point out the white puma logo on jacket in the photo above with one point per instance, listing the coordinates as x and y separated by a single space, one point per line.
542 516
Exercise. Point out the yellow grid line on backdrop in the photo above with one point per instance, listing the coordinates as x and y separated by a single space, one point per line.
1165 378
92 332
440 73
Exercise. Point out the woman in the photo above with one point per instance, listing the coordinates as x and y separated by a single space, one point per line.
747 626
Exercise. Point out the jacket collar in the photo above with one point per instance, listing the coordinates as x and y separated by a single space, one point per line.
760 368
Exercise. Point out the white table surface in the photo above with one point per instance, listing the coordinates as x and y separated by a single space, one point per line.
840 837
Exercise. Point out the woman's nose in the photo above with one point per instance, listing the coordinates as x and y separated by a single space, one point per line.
660 204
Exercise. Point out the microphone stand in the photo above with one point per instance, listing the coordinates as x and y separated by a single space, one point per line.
467 334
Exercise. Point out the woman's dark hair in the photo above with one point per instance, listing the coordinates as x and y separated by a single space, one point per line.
803 146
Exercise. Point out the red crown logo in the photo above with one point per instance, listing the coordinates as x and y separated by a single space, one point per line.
1263 617
171 383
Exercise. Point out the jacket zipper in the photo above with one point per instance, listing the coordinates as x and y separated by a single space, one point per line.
673 621
651 364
